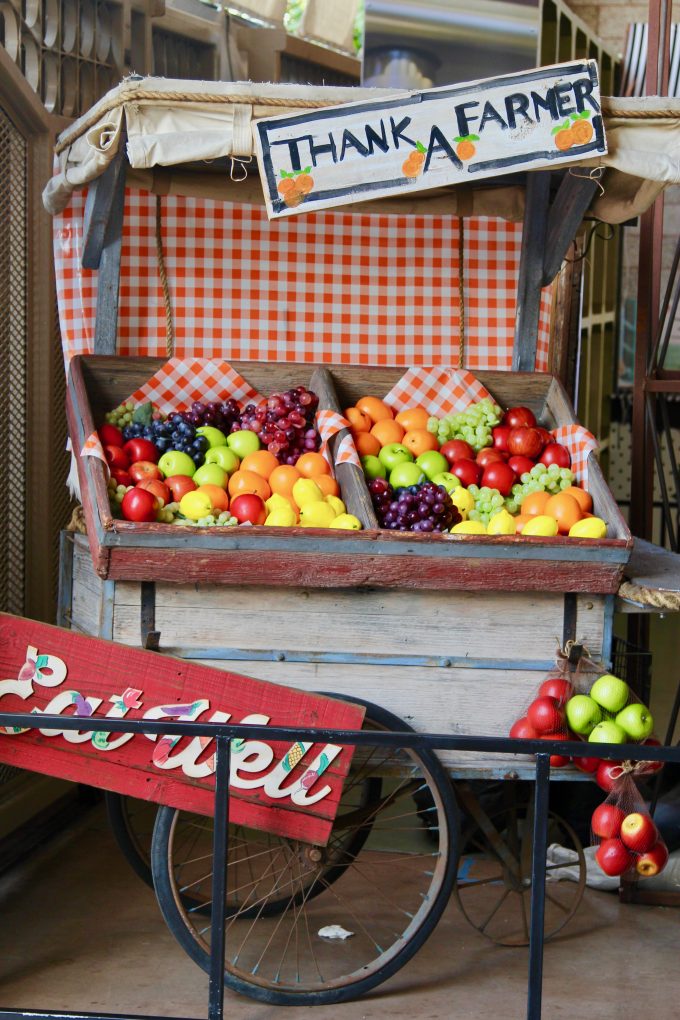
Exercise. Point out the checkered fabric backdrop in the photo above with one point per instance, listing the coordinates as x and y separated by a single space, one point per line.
325 287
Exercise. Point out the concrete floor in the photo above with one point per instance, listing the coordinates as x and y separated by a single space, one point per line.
79 931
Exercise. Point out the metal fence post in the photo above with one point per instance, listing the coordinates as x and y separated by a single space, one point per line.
219 881
540 850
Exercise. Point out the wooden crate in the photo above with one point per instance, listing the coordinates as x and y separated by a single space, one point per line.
443 661
335 559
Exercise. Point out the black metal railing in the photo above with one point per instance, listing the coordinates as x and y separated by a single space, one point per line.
224 733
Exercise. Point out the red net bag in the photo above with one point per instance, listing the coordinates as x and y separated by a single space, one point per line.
627 839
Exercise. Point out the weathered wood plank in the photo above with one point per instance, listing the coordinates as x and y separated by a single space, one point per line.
99 208
531 271
567 210
108 280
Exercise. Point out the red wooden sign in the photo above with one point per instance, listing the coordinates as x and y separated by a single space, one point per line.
289 789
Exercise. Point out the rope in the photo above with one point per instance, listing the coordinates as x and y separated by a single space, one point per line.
169 319
650 596
94 116
625 113
461 291
77 522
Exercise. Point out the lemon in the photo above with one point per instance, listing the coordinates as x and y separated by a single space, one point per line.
501 523
337 505
283 517
469 528
541 525
276 502
589 527
348 522
306 491
461 498
195 505
317 514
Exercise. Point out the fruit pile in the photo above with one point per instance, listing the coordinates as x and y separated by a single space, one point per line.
220 464
628 840
503 473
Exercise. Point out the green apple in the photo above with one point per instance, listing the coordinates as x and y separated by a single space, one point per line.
433 463
243 442
607 732
610 692
583 714
636 721
449 481
225 457
393 454
406 474
174 462
373 467
211 474
213 435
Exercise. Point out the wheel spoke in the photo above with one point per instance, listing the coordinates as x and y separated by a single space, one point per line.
495 910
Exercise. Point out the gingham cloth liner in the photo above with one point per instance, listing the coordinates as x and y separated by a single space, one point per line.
580 443
325 287
442 390
178 383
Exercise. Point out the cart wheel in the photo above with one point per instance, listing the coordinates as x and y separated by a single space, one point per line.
385 876
132 822
494 880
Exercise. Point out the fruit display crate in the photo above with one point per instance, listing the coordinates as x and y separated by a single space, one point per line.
335 559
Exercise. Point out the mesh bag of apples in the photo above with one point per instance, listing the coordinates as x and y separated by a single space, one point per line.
583 702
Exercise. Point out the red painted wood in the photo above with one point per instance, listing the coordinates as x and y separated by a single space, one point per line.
98 669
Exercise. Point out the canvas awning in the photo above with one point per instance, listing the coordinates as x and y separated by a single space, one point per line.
174 127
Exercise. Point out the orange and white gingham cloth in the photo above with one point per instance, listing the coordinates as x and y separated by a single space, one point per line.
334 286
580 443
92 447
177 384
440 390
328 423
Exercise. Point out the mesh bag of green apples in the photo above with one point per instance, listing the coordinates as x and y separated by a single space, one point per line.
627 839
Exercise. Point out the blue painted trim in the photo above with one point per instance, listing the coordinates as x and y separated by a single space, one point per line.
608 628
106 610
360 658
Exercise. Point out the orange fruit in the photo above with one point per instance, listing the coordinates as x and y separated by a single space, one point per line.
328 485
419 441
520 521
375 408
311 464
262 462
249 481
583 498
283 478
359 421
533 505
216 494
566 511
366 443
413 418
388 431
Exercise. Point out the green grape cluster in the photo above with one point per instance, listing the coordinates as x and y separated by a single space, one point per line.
551 479
487 503
474 424
167 513
116 493
222 520
121 415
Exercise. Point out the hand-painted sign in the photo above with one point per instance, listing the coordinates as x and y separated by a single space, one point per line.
289 789
359 151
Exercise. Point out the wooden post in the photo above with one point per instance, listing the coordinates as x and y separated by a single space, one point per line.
531 271
106 230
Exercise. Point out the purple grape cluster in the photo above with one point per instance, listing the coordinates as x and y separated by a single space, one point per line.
426 507
219 416
284 422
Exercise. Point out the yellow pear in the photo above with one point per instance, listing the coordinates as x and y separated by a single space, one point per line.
501 523
306 491
317 514
469 528
589 527
541 525
347 522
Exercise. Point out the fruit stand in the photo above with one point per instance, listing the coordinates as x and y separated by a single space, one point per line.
448 632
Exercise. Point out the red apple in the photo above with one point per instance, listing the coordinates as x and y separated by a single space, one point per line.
499 476
520 465
525 442
606 821
157 488
516 416
139 505
523 730
555 453
500 437
546 715
121 477
144 469
249 507
638 832
467 470
653 861
141 449
556 687
603 776
116 457
586 764
457 449
179 485
557 761
547 437
490 455
109 435
613 857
